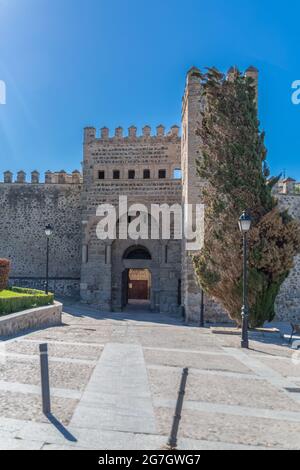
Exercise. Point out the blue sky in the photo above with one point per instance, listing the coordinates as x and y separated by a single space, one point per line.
72 63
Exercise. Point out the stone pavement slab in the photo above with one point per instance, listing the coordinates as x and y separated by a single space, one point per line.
195 359
74 376
285 366
20 444
193 444
28 406
57 350
220 389
118 395
176 338
16 387
232 429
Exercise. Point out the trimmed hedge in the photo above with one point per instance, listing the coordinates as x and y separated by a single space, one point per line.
4 273
32 298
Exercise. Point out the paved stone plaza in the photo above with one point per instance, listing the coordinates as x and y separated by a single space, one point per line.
115 378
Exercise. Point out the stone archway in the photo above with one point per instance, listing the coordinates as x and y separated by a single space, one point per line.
137 252
142 261
137 277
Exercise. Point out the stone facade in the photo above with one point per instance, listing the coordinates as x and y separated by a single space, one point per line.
191 184
146 168
142 168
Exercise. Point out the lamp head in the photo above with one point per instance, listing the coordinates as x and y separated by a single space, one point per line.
245 222
48 230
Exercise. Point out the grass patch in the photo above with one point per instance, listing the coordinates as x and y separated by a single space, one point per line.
17 299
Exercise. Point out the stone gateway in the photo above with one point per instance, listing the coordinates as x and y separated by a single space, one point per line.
114 274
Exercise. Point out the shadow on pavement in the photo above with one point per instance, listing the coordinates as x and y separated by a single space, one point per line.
61 428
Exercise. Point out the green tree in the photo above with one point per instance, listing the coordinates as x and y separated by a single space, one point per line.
233 163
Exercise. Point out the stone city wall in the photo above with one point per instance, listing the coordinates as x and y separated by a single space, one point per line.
288 300
25 210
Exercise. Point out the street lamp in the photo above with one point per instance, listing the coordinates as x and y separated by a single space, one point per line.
245 225
48 232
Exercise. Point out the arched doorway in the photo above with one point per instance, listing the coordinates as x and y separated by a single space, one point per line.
136 278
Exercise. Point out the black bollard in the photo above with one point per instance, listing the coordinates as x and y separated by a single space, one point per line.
172 441
45 379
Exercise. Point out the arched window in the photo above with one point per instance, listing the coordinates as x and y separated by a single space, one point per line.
137 252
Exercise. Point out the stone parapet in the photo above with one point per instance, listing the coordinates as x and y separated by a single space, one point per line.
31 319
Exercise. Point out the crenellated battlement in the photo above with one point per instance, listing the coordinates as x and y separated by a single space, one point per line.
90 134
193 81
59 177
194 74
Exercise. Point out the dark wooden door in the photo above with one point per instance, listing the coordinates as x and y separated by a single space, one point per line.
138 290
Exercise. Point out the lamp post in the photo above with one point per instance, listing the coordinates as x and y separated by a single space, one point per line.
48 232
245 225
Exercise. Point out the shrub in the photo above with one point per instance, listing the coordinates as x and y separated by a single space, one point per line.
4 273
31 298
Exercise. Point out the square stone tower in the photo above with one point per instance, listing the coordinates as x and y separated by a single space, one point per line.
192 187
191 184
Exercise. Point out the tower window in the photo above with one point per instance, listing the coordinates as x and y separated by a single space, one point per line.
101 175
162 174
177 174
131 174
146 174
116 174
